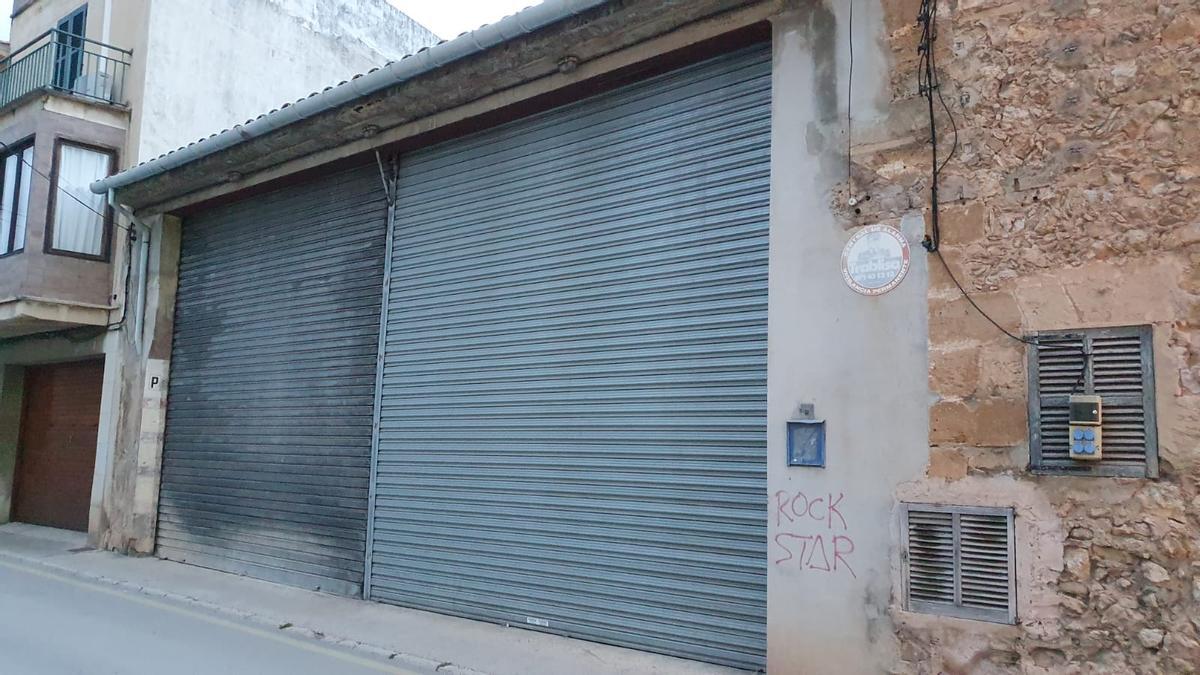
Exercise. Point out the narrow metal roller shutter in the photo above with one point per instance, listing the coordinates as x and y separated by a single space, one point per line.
573 409
266 462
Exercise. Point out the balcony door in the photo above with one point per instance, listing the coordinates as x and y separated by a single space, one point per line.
68 49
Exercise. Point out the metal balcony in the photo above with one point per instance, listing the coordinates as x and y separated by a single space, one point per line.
72 64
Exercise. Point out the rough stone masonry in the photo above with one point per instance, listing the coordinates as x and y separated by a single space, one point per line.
1071 201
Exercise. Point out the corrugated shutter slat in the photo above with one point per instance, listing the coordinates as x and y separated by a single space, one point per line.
572 421
266 461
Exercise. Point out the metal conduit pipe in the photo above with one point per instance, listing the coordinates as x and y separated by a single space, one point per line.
522 23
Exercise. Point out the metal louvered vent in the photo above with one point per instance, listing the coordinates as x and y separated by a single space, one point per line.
958 561
1115 363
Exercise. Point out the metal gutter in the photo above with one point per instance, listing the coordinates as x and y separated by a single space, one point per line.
468 44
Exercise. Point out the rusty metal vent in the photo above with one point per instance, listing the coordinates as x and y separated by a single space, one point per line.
958 561
1116 363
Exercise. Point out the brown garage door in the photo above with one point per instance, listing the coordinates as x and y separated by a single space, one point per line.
57 457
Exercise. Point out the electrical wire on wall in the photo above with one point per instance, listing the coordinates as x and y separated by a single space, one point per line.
929 86
849 108
128 273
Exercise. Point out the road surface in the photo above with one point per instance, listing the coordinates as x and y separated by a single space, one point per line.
53 624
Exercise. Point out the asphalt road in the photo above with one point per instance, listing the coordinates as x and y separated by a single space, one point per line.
52 624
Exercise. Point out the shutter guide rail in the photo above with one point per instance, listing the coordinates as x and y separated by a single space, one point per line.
391 180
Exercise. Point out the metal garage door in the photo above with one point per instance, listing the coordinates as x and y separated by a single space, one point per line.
266 460
573 411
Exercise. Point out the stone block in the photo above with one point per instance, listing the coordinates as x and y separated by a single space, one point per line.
989 423
963 224
950 422
954 321
1077 562
939 280
1000 422
947 463
954 373
1046 306
1002 370
1111 294
1151 638
1082 533
1074 588
993 460
899 14
1183 29
1155 573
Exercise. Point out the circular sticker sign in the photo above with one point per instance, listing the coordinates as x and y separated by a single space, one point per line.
875 260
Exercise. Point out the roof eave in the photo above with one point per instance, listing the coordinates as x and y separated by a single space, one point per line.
414 109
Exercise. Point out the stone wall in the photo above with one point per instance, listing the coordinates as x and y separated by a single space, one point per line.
1070 201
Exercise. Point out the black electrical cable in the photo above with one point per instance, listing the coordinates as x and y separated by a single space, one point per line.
953 127
849 95
979 309
933 84
128 273
925 86
929 86
1087 356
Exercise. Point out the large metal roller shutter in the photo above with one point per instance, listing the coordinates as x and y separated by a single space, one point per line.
266 463
573 410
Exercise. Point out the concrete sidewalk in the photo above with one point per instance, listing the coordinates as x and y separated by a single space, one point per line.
420 641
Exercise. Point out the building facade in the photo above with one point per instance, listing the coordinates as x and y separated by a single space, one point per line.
92 88
550 325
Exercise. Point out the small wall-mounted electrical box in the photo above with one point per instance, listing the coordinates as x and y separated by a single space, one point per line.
1084 426
806 443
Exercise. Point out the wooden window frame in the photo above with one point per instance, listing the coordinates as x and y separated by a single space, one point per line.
17 149
956 610
52 203
1040 466
71 48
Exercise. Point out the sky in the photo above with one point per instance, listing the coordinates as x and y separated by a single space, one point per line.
447 18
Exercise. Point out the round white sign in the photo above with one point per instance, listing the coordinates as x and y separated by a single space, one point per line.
875 260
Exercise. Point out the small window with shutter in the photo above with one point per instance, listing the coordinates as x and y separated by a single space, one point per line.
1114 363
958 561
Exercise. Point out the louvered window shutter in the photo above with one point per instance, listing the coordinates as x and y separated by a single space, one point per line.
985 558
1117 364
958 561
931 557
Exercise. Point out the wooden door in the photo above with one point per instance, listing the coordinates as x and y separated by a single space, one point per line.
57 454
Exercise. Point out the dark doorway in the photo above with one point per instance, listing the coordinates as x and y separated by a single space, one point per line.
57 454
68 51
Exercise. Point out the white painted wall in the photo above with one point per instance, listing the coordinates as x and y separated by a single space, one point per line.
860 360
213 64
43 15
